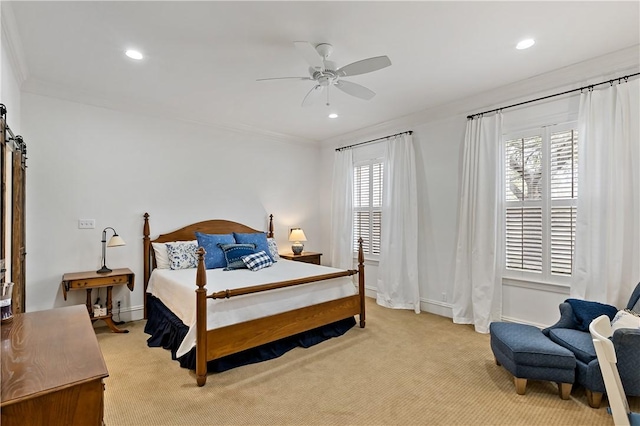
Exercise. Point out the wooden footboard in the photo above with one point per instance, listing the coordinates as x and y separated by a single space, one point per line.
214 344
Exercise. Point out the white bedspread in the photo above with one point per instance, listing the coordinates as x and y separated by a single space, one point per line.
176 289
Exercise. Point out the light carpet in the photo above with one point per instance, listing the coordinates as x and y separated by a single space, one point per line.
402 369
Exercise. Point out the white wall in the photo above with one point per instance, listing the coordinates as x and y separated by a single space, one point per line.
88 162
10 96
438 137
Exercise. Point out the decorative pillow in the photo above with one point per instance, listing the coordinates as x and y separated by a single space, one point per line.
585 311
257 261
273 249
625 319
182 255
214 258
234 253
161 255
257 238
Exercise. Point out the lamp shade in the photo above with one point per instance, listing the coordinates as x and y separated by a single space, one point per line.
116 241
297 234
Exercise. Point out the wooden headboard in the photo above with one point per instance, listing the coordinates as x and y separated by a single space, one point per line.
188 233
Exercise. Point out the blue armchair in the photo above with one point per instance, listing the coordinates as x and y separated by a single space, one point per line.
626 342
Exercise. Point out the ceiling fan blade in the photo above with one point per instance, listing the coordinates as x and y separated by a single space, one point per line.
364 66
313 95
310 54
284 78
354 89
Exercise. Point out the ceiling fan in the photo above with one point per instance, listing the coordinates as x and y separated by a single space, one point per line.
326 74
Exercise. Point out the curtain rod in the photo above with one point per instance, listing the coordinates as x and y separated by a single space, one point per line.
589 87
373 140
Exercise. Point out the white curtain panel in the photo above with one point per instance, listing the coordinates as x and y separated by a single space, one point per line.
342 211
398 265
607 251
477 292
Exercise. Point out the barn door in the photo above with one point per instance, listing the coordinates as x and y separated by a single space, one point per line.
3 201
18 230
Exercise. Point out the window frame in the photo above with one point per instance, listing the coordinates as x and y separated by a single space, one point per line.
546 203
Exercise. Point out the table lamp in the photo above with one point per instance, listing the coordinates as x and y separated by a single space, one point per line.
115 241
296 236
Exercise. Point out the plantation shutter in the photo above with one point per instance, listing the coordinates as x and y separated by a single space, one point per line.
367 211
541 188
564 192
523 220
524 238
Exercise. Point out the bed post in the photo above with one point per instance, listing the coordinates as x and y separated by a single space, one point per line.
270 233
361 281
145 244
201 320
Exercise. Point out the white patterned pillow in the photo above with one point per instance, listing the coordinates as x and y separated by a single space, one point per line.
625 319
273 249
182 254
161 255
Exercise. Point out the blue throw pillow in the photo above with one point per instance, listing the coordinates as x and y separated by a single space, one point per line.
214 258
585 311
257 238
234 253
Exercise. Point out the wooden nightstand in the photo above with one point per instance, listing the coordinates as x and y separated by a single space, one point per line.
90 280
305 256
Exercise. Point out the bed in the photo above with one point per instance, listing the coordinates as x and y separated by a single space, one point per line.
244 310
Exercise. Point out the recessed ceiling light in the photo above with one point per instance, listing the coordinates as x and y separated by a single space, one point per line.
133 54
525 44
333 115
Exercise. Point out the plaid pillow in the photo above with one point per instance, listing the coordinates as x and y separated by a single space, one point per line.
257 261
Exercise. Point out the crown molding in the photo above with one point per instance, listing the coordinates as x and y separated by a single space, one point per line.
609 66
12 42
57 91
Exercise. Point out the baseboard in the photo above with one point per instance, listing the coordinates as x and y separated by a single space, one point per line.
443 309
129 313
518 321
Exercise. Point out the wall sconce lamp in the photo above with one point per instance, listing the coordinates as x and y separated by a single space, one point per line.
115 241
296 236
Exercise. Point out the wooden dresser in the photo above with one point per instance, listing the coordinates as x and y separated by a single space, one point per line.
52 369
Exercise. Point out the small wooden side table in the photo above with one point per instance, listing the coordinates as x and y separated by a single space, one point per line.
90 280
305 256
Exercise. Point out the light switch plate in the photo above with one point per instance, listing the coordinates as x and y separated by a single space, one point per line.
86 223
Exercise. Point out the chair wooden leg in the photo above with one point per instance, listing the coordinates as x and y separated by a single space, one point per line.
565 390
594 398
521 385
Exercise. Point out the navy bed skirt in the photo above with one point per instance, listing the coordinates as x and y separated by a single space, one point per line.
168 331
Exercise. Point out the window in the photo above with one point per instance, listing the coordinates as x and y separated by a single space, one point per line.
541 188
367 205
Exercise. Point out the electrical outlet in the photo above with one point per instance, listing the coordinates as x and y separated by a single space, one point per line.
86 223
444 296
118 304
